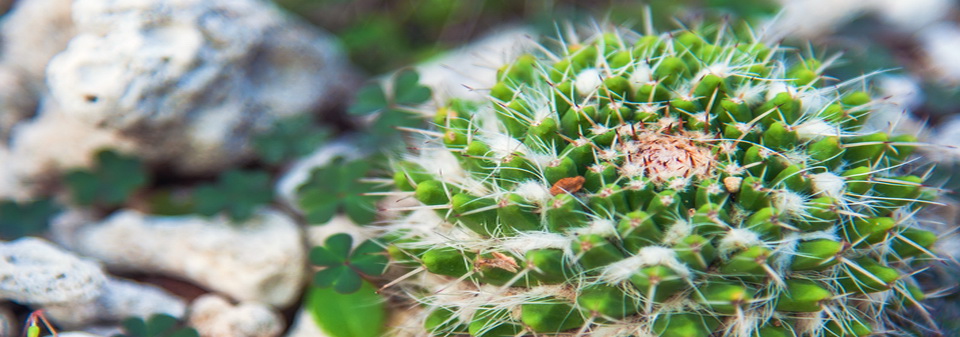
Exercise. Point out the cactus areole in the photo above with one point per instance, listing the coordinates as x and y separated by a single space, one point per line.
688 184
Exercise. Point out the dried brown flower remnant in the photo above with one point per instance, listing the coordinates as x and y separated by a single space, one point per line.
567 185
665 156
499 260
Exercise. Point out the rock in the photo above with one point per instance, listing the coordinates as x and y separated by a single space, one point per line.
118 300
193 80
8 322
78 334
305 326
214 316
471 71
31 34
34 272
56 141
261 260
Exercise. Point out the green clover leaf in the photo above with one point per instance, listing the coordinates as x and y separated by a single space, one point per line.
112 180
158 325
338 186
407 89
22 219
342 269
237 193
289 138
393 108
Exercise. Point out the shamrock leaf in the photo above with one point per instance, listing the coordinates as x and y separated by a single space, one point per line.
158 325
22 219
112 180
236 192
393 108
289 138
407 89
370 99
343 269
338 186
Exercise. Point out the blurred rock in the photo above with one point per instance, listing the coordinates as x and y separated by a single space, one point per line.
78 334
34 272
8 322
214 316
183 84
471 71
118 300
262 260
32 33
192 80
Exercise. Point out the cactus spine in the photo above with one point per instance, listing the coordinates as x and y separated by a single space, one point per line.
673 185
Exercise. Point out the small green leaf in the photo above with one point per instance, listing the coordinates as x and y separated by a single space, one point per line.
236 192
369 258
109 183
158 325
289 138
347 282
369 99
338 186
358 314
407 89
23 219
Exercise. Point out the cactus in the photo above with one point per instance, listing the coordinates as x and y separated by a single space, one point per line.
689 184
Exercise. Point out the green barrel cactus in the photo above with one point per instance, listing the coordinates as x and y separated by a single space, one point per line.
689 184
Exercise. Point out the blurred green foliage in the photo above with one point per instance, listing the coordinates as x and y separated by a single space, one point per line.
158 325
289 138
27 218
109 183
339 186
343 269
381 35
237 193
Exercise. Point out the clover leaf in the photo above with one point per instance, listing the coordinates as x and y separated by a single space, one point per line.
112 180
237 193
158 325
343 269
28 218
339 186
289 138
393 108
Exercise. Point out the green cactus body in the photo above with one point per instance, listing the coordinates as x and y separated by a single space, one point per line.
671 185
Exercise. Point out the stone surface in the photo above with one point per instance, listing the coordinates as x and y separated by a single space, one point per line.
35 272
471 71
214 316
118 300
192 80
262 260
8 322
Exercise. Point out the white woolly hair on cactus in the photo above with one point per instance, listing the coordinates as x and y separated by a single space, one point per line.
693 183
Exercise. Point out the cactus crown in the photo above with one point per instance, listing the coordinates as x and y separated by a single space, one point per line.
671 185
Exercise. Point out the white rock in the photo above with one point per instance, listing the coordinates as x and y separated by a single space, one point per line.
32 33
33 271
941 43
118 300
76 334
261 260
8 322
192 80
56 141
214 316
471 71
